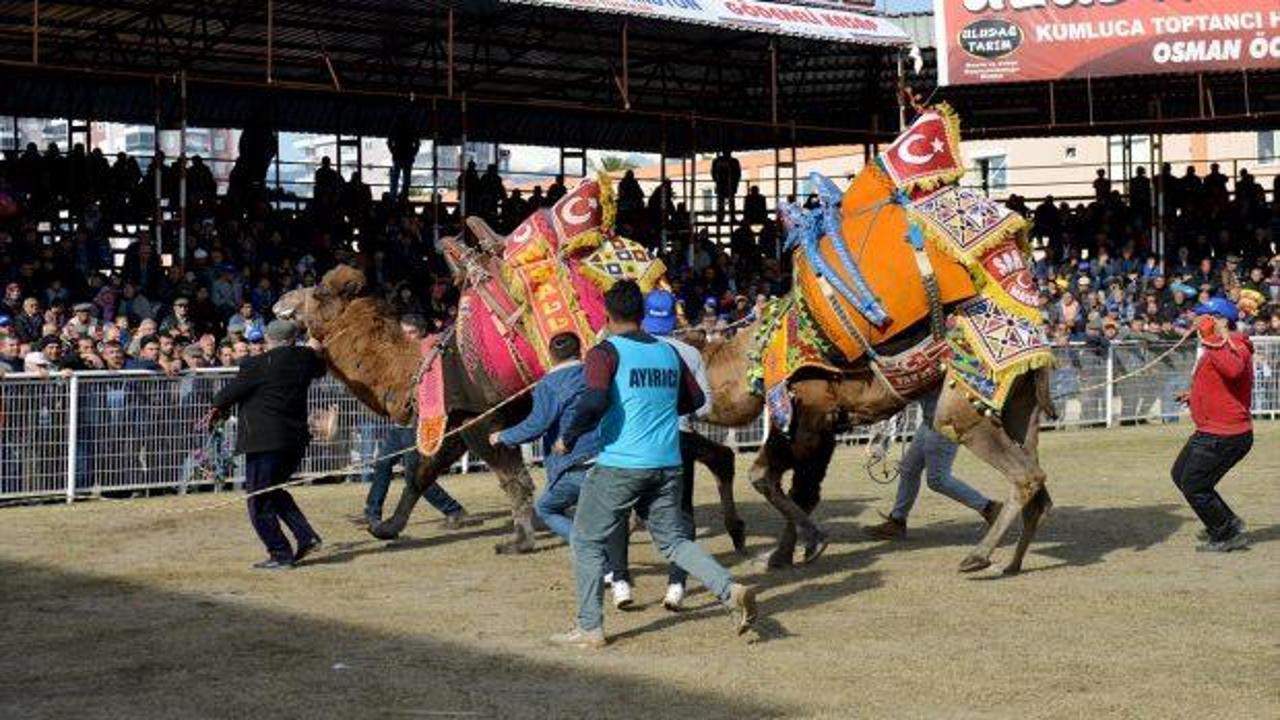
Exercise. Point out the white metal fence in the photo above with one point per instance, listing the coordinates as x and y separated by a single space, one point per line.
97 432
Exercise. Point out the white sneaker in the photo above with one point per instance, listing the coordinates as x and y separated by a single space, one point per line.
621 594
674 597
608 579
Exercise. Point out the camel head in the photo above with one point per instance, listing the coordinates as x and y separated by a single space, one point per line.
315 307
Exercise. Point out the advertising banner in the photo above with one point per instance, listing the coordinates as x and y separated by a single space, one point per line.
821 23
984 41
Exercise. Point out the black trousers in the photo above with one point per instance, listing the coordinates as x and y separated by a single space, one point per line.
268 469
1203 462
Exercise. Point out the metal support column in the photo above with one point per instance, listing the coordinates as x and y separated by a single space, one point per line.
157 169
693 177
271 21
462 155
449 55
182 170
35 32
1157 226
435 175
1110 388
662 180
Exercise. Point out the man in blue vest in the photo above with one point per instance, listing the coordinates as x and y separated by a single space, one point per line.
637 389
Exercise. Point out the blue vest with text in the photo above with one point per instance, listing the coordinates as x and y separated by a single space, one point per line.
641 429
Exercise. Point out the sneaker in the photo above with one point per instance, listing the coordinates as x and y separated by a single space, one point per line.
1237 523
991 511
272 564
305 550
742 600
621 590
579 638
890 529
1239 541
674 597
608 579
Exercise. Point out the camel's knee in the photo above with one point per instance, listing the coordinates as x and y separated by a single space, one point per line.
762 480
1030 485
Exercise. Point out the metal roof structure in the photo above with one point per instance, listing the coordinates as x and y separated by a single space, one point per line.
515 73
492 70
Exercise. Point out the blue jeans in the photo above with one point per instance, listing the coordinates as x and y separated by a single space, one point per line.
604 507
553 506
397 439
932 454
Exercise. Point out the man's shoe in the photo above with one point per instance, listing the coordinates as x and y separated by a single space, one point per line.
272 564
742 600
1237 524
608 579
305 550
991 512
1239 541
458 520
579 638
621 590
890 529
674 597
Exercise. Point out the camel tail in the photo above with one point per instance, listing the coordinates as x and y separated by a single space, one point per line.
1043 398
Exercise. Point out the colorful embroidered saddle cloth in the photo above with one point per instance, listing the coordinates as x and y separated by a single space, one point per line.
904 244
550 279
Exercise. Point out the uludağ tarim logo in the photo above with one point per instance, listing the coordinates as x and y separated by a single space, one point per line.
990 38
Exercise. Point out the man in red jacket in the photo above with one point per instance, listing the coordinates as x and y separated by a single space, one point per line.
1221 391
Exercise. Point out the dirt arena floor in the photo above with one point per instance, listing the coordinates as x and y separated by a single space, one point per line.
112 610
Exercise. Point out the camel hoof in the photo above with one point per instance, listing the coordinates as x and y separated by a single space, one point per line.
514 547
775 560
1011 570
814 548
974 563
738 534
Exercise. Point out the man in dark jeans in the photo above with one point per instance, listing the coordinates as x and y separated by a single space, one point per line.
271 390
1220 396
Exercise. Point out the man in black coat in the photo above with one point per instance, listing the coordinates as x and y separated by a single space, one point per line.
271 390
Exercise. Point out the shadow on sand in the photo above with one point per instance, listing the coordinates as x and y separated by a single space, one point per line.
82 646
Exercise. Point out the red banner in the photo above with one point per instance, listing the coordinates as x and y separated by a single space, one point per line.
984 41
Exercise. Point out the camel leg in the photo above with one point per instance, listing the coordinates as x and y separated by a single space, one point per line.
428 470
513 477
957 418
1032 515
766 478
806 490
720 460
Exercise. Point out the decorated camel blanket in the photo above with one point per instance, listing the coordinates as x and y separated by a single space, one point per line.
905 247
548 277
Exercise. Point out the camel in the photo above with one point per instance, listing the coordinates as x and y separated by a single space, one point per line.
826 402
367 351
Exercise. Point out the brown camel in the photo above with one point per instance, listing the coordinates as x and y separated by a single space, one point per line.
369 353
825 403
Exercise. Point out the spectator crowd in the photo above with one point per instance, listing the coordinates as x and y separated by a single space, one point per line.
69 305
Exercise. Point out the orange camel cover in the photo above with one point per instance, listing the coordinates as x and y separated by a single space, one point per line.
875 232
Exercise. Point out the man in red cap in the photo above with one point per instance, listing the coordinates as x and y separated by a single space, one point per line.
1220 396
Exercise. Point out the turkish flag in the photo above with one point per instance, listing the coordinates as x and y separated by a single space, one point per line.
577 213
924 153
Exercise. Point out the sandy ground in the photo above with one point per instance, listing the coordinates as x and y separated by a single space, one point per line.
120 609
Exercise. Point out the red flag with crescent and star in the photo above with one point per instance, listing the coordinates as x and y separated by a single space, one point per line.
927 154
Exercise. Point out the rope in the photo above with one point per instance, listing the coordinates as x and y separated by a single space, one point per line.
882 472
1157 360
303 478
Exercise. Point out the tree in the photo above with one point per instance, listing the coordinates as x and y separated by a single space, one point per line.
613 164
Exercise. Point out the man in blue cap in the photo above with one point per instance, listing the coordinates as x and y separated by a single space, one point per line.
1220 397
660 322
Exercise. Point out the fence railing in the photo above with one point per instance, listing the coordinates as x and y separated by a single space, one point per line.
95 433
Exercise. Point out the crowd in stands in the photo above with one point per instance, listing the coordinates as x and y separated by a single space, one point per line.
68 306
